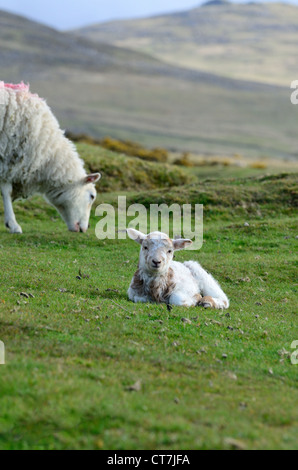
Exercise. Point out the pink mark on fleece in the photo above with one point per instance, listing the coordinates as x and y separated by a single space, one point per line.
19 87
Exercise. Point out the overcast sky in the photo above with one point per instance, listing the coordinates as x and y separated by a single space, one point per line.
67 14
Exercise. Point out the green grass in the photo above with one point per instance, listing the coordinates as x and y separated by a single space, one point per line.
259 196
122 173
74 349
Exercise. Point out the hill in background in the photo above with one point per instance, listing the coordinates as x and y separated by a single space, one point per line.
252 41
103 89
29 47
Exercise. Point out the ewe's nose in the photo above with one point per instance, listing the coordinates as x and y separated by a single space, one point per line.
75 228
156 263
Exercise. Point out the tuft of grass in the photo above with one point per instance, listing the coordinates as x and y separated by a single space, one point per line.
257 196
259 165
126 147
135 149
184 160
128 173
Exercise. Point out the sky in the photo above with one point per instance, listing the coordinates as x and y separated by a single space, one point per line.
68 14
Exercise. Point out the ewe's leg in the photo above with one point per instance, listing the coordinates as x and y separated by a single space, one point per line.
213 295
10 220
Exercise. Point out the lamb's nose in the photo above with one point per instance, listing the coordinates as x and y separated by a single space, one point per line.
156 262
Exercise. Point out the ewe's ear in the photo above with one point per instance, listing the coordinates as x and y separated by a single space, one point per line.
135 235
181 243
92 178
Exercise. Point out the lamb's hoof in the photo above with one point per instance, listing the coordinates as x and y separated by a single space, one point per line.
14 227
198 299
207 302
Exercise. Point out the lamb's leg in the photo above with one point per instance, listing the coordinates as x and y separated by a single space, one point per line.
10 220
213 295
136 297
180 299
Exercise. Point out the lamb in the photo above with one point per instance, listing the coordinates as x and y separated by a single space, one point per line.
160 279
36 157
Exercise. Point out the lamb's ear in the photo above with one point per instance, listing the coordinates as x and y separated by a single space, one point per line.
135 235
181 243
92 178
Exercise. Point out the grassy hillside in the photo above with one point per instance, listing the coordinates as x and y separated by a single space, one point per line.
75 348
122 173
200 116
28 48
250 41
105 90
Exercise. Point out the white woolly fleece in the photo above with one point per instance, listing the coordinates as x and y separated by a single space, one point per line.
34 153
36 157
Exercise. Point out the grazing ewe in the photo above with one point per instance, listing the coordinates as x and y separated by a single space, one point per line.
160 279
36 157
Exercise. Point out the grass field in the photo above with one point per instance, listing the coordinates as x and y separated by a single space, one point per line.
75 348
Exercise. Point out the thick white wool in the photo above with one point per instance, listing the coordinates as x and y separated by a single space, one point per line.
35 156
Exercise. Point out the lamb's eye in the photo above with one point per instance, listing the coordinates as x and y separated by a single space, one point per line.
170 251
145 247
92 197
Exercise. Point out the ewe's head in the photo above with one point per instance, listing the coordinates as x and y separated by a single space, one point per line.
157 250
75 201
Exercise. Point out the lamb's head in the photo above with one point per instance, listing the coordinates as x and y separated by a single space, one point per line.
157 250
74 202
